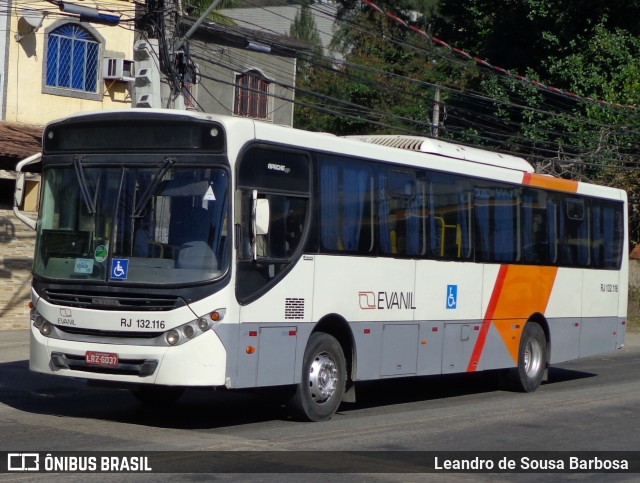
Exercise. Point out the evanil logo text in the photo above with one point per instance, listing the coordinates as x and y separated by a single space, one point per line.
386 300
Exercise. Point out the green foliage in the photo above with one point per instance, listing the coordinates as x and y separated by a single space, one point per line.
304 28
384 85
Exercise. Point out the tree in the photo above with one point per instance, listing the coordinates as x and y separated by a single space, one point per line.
304 28
390 73
375 88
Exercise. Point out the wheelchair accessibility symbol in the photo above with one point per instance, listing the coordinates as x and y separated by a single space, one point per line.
119 268
452 296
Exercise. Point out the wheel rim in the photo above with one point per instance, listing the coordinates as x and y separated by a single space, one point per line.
532 358
323 378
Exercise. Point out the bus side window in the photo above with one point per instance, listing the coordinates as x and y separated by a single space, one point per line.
535 245
497 215
286 220
294 223
399 220
607 234
573 227
450 217
346 206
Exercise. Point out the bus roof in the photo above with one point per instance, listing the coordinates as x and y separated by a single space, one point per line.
412 143
449 150
513 168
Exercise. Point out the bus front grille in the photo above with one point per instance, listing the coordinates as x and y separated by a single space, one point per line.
112 301
108 333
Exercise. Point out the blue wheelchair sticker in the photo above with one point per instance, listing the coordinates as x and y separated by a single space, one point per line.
452 296
119 268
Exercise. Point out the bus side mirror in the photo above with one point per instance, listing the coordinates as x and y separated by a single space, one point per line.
261 216
18 195
259 225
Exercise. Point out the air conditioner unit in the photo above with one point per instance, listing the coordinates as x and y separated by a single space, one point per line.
118 69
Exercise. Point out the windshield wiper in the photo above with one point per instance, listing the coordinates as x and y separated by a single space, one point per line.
144 199
82 183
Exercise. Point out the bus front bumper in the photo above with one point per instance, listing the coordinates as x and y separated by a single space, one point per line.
198 362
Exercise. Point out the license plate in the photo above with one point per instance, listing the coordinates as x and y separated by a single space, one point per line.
108 359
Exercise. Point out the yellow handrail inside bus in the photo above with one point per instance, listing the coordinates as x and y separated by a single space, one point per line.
443 230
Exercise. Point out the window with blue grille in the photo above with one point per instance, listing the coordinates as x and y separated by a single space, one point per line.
72 59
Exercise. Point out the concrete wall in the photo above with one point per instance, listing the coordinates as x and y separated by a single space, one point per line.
218 67
16 257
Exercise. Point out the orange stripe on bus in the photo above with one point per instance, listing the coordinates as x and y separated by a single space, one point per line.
486 323
541 181
519 292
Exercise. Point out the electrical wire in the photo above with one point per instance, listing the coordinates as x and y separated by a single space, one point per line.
405 45
359 108
355 111
466 110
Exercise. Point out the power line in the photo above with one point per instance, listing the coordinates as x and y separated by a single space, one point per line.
486 64
405 45
355 111
463 117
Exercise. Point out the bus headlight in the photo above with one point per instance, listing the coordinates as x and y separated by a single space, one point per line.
191 330
39 322
46 329
203 324
172 337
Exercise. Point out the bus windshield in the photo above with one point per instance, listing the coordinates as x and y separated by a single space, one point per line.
163 224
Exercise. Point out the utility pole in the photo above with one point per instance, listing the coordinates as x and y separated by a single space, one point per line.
435 121
171 91
176 97
147 55
160 63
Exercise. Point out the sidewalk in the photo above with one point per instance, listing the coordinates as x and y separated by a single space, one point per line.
14 345
632 339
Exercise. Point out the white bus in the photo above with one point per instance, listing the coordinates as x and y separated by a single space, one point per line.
179 249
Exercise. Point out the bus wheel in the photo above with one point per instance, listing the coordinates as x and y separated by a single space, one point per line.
532 360
320 391
157 395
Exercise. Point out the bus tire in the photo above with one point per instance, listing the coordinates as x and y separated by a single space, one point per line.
157 395
532 360
324 375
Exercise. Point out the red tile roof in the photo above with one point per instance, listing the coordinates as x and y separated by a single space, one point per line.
17 141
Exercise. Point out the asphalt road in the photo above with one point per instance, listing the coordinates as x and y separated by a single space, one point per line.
587 405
